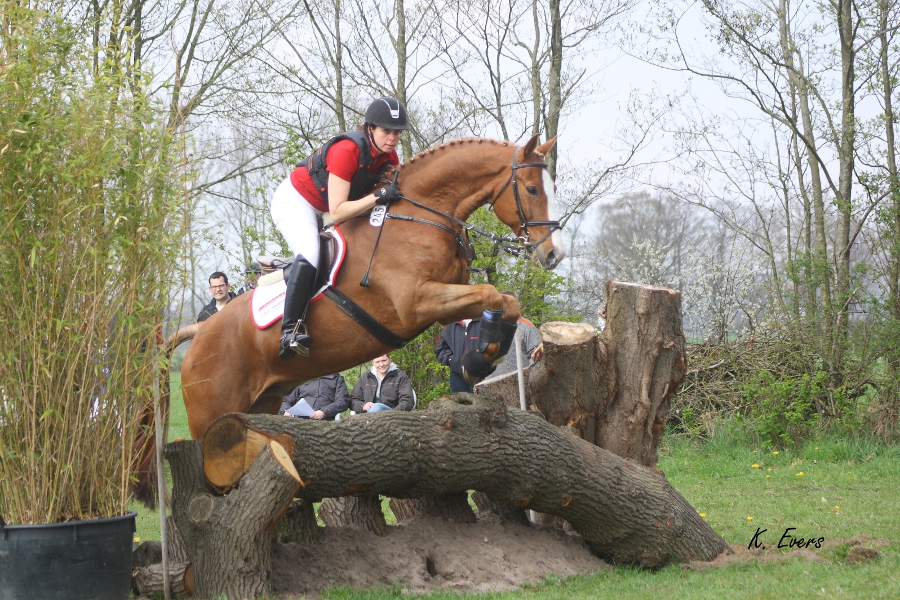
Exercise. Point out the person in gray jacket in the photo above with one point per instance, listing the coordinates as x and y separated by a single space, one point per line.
384 387
327 396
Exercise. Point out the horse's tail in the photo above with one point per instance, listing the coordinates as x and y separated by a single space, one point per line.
144 447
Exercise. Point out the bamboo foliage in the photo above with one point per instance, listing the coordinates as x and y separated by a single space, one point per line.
86 244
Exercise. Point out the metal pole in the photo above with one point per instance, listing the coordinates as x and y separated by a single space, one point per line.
519 370
161 487
522 404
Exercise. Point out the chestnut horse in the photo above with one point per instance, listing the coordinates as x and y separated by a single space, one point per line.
419 275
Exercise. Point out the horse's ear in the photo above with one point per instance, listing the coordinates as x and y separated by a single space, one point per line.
545 147
529 146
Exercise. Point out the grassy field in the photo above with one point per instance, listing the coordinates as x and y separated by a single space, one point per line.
832 488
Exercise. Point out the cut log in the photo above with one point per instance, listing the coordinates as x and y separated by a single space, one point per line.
613 390
355 512
628 513
229 539
452 507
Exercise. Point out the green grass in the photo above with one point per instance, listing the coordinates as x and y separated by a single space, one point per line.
848 489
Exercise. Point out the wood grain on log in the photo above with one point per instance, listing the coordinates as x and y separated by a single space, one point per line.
628 513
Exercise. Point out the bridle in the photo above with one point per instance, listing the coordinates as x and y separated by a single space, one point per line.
520 210
509 245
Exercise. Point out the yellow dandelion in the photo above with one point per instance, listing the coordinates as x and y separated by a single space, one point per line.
817 447
754 466
137 539
703 515
770 468
775 453
749 518
837 508
800 474
767 476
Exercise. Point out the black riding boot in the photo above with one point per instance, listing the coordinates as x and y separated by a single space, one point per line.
294 339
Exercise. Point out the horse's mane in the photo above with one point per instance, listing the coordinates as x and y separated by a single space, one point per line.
425 156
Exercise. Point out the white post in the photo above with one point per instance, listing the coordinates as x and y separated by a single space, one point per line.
522 404
161 486
521 375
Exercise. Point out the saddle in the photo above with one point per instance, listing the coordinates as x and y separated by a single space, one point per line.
331 251
267 301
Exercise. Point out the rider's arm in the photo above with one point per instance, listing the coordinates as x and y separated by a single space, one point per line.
339 205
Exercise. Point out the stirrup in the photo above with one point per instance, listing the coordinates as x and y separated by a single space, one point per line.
295 342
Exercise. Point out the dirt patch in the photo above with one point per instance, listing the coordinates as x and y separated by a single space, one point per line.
430 554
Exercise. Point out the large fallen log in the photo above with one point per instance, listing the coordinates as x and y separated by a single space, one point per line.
628 513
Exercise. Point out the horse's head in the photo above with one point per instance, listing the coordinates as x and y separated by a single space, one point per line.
526 203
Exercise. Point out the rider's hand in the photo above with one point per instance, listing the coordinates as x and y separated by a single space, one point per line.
387 194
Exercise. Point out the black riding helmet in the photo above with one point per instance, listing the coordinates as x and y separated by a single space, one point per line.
387 113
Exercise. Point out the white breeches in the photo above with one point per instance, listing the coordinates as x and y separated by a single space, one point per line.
295 218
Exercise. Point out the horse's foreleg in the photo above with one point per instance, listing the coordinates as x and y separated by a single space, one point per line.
447 303
500 315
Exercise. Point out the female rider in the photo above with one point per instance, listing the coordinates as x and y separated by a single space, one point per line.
337 178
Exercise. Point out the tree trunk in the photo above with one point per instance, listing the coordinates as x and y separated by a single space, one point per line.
614 390
356 512
230 538
628 513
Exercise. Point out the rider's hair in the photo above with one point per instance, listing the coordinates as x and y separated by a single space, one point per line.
217 275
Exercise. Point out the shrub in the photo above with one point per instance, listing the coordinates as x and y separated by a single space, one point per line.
87 237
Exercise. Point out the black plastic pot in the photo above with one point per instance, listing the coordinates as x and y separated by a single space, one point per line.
78 560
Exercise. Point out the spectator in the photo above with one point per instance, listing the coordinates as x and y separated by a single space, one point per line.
385 387
222 294
251 274
457 339
326 396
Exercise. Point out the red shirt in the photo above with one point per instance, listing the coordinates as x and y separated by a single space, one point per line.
342 160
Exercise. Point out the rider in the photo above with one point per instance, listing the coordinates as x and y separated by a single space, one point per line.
338 179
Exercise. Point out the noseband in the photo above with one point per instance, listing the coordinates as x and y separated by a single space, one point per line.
524 223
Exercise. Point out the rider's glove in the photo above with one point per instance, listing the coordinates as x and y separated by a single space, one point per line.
387 194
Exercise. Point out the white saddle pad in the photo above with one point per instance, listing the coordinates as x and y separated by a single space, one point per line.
267 303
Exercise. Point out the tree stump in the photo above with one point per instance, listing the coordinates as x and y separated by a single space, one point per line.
229 539
626 512
613 390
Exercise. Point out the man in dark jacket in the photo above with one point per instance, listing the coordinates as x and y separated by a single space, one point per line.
326 396
457 339
384 387
222 295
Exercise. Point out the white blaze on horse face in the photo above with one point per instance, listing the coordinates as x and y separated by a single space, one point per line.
550 191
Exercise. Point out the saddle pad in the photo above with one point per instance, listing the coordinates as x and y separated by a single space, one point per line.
267 302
